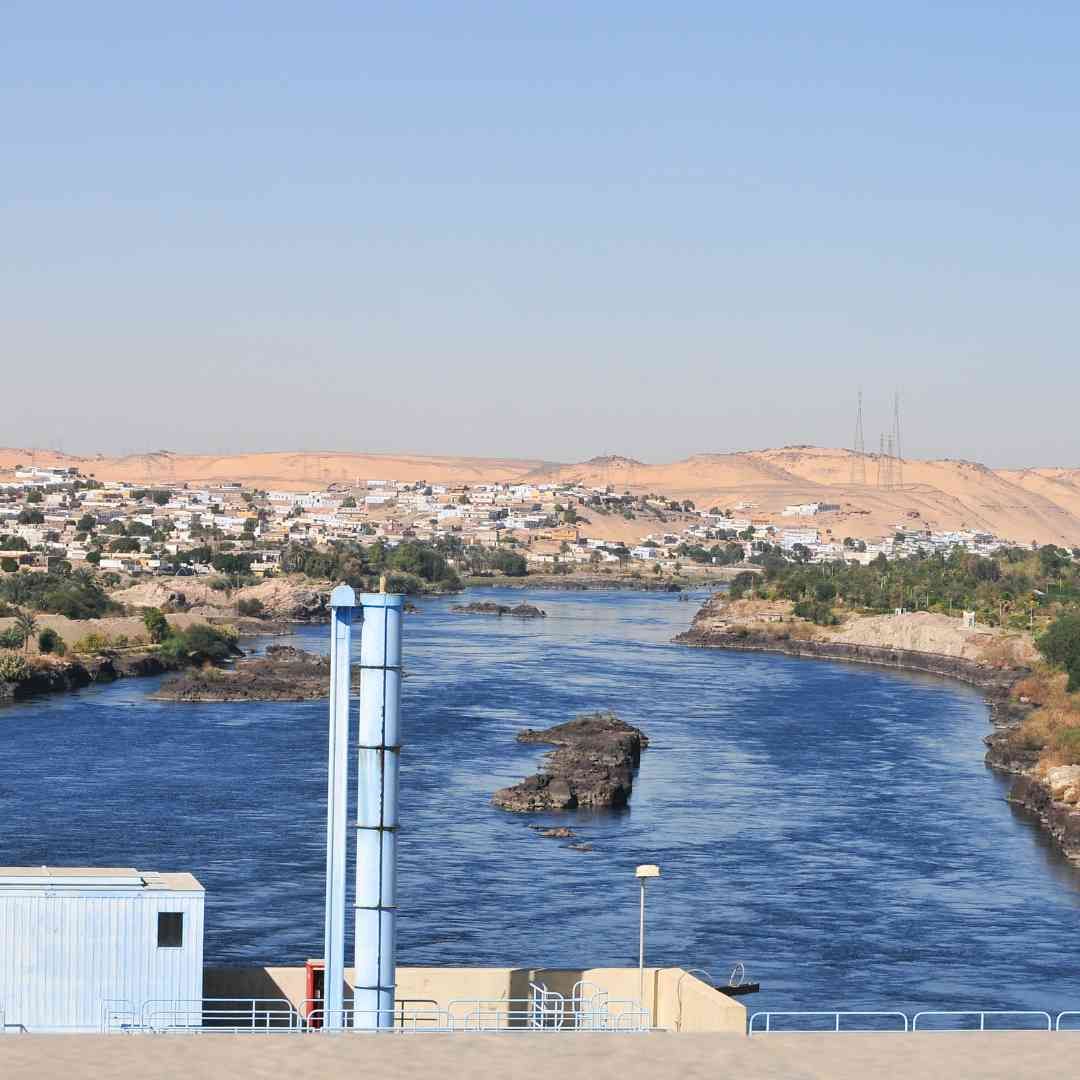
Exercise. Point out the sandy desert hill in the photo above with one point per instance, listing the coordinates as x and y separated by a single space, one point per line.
1041 504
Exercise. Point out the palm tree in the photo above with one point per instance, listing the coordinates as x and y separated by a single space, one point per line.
26 624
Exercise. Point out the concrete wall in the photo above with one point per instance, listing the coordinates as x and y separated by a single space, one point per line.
674 999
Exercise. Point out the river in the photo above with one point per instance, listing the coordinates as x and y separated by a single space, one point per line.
832 826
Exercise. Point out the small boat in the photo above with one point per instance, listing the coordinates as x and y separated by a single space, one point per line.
737 984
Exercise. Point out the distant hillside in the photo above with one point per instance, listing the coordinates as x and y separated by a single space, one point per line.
1040 504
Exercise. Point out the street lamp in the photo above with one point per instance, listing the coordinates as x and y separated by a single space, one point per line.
643 873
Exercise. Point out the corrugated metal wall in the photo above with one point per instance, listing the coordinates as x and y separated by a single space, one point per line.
64 953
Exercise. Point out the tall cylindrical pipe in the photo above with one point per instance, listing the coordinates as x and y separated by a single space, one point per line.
377 810
342 602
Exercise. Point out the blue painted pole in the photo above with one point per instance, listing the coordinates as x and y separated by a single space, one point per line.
377 810
342 602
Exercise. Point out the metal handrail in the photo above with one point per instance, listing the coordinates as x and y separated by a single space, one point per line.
222 1014
315 1021
982 1014
835 1014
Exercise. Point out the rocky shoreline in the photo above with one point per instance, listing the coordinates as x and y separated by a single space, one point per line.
1037 794
74 674
592 765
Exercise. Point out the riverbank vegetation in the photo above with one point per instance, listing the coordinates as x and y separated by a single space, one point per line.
1015 588
1020 590
78 594
1050 730
411 567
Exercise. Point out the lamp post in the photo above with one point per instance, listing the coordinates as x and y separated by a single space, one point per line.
643 873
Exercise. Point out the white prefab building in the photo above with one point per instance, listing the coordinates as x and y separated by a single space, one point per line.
78 945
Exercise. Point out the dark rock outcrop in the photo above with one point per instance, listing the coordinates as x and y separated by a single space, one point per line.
283 674
1060 819
592 765
489 607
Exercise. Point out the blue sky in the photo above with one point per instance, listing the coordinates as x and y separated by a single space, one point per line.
551 230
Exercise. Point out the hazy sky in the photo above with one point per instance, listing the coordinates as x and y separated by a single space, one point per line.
540 229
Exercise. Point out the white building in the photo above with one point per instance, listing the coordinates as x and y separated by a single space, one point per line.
790 537
81 946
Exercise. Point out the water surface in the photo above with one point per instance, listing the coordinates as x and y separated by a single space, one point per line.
830 825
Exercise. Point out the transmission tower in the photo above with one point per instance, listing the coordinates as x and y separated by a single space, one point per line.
886 477
858 461
899 478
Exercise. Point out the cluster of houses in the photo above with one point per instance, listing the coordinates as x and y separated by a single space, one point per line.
48 515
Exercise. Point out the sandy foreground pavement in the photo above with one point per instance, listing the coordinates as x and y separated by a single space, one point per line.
990 1055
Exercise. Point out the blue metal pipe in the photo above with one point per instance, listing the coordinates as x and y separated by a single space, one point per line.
377 810
342 602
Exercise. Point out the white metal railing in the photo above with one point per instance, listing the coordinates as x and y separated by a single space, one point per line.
119 1014
231 1015
761 1023
837 1018
982 1014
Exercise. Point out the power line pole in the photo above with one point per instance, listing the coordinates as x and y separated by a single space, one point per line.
899 480
858 462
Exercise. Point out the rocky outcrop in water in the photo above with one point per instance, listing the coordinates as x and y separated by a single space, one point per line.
592 765
283 674
489 607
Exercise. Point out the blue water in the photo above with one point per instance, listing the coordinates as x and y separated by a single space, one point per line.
830 825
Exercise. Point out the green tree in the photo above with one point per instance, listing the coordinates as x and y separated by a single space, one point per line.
49 641
1060 644
86 523
27 626
157 626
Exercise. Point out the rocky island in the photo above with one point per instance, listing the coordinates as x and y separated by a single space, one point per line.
592 765
283 674
489 607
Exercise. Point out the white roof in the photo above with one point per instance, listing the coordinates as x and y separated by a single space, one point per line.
94 877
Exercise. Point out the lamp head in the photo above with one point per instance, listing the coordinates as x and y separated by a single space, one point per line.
647 870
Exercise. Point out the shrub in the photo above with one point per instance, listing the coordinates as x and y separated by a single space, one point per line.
200 643
740 583
49 641
816 612
157 626
251 608
13 667
11 638
93 642
1067 745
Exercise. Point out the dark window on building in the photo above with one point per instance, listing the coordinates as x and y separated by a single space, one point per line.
170 929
